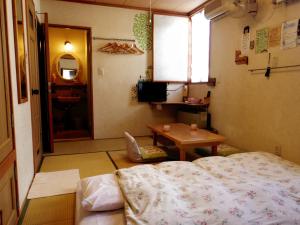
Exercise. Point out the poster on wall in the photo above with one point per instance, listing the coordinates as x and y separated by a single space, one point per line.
289 34
274 36
245 41
262 40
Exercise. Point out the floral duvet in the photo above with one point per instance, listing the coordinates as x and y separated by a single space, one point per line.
248 188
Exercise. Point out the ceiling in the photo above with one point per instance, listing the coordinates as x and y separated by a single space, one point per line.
177 6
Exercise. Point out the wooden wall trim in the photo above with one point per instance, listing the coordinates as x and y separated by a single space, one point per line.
69 26
198 8
159 11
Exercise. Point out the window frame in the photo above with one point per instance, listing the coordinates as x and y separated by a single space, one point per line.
209 52
188 55
188 82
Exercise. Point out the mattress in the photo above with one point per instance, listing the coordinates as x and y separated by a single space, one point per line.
84 217
245 188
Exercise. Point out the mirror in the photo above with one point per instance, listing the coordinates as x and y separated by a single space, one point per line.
20 50
68 67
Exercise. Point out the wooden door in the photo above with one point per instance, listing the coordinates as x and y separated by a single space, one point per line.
6 139
34 82
8 200
8 206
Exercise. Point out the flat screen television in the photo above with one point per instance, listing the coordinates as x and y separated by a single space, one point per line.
152 91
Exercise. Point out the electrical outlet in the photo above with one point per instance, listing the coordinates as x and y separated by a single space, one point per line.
277 150
275 61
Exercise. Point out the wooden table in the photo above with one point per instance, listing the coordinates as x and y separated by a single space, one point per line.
185 138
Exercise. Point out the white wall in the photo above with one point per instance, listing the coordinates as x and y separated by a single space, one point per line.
22 121
114 111
253 112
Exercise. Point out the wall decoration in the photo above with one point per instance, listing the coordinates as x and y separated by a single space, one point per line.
262 39
142 30
289 34
245 41
19 34
274 36
239 59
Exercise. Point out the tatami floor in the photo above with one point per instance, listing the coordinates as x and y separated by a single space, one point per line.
71 147
91 158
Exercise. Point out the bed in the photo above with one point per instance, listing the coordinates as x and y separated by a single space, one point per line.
246 188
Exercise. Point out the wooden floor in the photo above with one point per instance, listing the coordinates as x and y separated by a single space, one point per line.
60 210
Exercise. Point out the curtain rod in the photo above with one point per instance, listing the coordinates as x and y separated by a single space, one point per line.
113 39
277 67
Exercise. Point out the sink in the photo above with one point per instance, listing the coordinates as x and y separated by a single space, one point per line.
68 99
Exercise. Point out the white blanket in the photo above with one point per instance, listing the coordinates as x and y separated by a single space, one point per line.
247 188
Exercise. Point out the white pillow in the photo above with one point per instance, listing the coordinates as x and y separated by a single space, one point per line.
101 193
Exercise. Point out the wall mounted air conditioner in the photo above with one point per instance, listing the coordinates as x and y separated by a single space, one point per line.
216 8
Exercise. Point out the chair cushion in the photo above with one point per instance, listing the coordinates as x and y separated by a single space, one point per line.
226 150
223 150
152 152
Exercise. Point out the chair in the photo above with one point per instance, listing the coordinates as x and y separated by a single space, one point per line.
145 153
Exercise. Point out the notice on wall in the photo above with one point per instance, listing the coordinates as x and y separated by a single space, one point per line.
262 40
289 34
245 41
274 36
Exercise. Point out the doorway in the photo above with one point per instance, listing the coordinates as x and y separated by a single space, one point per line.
68 84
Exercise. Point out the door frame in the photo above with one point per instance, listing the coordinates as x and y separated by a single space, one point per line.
45 86
89 74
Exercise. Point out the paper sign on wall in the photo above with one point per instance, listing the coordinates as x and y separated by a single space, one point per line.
274 36
289 34
262 40
245 41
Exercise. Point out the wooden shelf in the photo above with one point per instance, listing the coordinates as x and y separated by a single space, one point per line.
180 104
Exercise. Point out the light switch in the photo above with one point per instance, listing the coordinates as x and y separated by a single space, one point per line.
100 71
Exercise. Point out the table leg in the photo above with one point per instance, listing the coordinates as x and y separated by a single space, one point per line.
214 150
182 154
154 138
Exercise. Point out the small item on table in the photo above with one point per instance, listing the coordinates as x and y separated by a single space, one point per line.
166 128
193 100
194 126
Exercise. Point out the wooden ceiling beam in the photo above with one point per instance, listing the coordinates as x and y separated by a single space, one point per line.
198 8
158 11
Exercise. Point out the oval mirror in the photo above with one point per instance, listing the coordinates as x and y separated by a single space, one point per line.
68 67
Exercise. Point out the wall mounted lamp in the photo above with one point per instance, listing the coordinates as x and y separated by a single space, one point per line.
68 46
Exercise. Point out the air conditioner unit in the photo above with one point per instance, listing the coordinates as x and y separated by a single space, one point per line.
216 8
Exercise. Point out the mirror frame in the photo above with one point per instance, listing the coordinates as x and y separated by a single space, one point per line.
58 70
21 99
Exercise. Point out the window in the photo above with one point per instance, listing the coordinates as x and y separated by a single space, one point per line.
171 42
171 39
200 48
